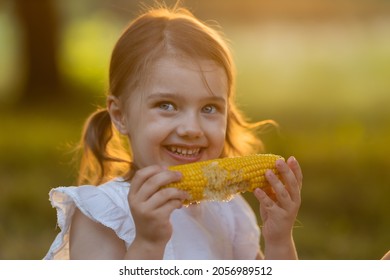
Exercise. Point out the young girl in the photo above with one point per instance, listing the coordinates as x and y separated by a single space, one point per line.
171 94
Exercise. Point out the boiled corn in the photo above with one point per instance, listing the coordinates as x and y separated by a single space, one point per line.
221 179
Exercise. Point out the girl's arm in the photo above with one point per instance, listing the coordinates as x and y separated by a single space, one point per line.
93 241
150 207
279 216
89 240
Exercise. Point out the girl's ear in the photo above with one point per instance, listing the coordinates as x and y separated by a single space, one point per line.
116 114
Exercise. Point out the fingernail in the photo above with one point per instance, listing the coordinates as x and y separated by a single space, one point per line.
279 163
291 159
269 174
259 192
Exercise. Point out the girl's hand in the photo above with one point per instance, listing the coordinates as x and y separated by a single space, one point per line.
151 206
279 216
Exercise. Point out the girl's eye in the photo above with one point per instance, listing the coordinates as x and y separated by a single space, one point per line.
209 109
166 106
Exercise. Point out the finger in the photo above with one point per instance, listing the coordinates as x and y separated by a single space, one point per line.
295 190
260 195
153 184
296 169
289 179
141 176
282 195
164 196
166 209
270 192
265 201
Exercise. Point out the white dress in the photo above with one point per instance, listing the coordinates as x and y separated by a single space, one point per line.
208 230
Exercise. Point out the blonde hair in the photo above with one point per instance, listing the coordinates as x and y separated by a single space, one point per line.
150 36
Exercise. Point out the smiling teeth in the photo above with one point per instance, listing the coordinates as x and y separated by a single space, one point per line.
184 151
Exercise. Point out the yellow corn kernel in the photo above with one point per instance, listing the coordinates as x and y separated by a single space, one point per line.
221 179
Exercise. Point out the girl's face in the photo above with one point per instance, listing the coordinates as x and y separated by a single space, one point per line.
180 114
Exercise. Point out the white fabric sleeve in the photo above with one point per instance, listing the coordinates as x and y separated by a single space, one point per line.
103 205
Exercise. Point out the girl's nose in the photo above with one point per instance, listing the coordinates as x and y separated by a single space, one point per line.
190 127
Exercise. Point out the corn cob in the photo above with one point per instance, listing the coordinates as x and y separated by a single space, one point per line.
221 179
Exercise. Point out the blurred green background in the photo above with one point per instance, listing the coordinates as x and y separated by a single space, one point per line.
320 68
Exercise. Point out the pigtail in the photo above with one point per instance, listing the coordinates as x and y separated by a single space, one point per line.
103 155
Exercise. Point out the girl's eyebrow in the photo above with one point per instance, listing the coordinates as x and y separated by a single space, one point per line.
216 99
177 96
163 95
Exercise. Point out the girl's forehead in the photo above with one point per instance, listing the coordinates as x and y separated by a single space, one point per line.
196 72
182 75
182 61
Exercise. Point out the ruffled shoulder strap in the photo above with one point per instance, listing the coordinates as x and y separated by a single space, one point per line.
105 204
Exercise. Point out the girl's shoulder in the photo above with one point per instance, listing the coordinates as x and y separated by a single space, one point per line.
99 203
105 204
114 191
